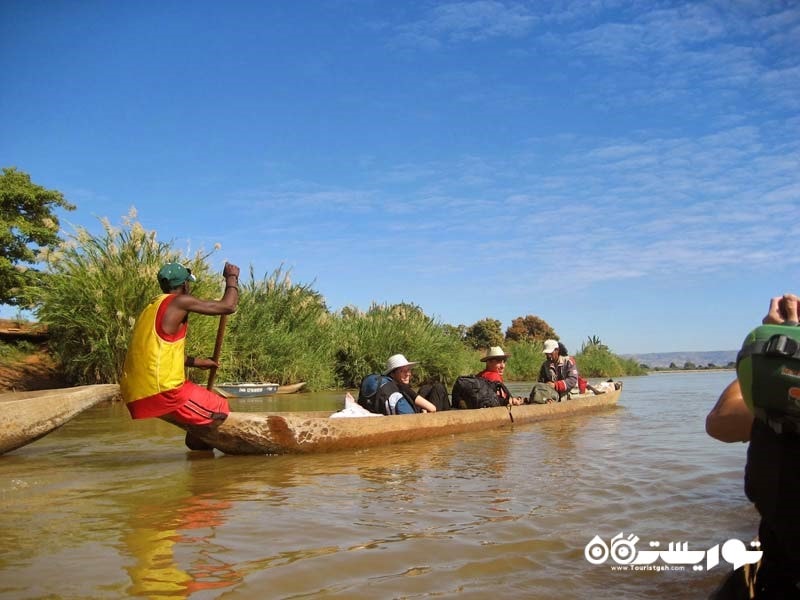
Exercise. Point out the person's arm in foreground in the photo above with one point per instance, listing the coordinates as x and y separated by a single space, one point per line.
730 420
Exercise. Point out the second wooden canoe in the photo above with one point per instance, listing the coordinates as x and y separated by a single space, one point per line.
300 433
246 390
290 388
27 416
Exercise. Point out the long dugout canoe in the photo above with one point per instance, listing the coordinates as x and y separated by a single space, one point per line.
27 416
302 433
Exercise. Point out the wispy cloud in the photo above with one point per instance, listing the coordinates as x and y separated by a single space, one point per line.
457 22
704 55
632 207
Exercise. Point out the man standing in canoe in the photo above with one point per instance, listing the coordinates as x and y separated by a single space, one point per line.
153 382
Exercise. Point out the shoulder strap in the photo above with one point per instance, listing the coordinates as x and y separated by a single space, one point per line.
506 391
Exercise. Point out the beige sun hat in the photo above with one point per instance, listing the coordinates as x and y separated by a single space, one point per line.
395 362
495 352
550 346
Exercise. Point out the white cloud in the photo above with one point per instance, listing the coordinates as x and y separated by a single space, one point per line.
456 22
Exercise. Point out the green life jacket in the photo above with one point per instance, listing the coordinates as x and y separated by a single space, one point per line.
768 369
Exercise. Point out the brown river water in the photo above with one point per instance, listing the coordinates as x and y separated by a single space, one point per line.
107 507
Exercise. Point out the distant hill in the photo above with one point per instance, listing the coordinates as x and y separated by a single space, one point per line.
719 358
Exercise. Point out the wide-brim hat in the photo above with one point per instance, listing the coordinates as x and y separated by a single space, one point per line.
495 352
395 362
550 346
171 275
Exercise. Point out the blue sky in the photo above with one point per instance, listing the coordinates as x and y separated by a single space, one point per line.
629 170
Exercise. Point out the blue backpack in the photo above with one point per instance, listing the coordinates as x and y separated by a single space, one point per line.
368 397
368 391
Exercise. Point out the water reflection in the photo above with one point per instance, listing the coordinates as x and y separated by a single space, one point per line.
171 536
173 531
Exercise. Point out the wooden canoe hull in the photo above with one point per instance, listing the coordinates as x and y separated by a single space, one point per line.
300 433
27 416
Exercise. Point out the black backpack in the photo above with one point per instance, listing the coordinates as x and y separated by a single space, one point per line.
368 391
470 391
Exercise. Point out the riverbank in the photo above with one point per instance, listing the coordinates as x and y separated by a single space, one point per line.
30 370
35 372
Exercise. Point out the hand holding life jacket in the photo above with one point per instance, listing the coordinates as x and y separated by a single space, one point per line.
768 369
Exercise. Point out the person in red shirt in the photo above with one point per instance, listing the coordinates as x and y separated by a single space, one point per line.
495 360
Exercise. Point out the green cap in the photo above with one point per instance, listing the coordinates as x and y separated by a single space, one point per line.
172 275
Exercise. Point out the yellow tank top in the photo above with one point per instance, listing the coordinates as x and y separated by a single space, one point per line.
154 365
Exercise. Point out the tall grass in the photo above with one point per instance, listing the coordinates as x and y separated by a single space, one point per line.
281 332
96 287
366 340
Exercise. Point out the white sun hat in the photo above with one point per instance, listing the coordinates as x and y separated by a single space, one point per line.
395 362
550 346
495 352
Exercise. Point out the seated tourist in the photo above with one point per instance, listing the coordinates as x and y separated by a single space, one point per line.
557 376
397 397
495 360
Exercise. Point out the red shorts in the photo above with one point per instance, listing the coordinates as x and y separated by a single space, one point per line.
203 407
